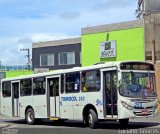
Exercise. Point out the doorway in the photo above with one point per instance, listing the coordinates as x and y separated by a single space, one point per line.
15 98
110 93
53 86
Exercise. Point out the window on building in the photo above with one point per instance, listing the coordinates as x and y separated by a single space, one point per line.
80 55
26 87
39 86
6 89
148 57
47 60
72 82
91 81
66 58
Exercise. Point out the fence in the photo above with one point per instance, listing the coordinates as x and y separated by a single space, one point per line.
15 67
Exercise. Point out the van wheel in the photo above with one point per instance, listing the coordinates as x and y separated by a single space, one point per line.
30 117
92 119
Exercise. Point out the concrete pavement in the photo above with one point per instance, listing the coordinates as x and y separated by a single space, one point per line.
3 117
9 121
148 119
3 125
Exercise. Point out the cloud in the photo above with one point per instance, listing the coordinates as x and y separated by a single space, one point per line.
40 9
58 19
113 4
11 46
9 51
24 40
12 54
26 8
41 37
70 15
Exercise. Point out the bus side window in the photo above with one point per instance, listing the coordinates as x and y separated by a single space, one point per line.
62 84
39 86
83 82
6 89
51 88
91 81
26 87
72 82
56 88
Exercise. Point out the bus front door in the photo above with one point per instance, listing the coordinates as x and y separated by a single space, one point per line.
110 94
53 96
15 98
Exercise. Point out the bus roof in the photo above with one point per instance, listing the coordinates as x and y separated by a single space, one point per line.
74 69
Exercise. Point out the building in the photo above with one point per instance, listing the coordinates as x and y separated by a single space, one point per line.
58 54
132 40
126 40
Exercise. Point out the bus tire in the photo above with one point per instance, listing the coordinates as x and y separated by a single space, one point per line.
30 117
124 122
92 119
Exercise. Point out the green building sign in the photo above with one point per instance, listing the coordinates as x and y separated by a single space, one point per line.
108 49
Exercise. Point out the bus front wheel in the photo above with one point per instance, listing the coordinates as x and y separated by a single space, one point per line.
30 117
123 122
92 119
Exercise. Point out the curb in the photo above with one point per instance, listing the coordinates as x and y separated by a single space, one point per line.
4 125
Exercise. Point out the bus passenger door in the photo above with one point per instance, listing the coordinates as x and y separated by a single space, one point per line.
53 85
15 98
110 94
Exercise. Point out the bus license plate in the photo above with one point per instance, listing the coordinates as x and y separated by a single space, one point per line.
144 111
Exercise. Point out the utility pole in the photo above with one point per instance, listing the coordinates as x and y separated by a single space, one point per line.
154 45
28 55
140 9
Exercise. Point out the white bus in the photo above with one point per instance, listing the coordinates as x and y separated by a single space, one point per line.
111 91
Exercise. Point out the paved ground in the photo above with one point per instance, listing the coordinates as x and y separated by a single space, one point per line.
19 126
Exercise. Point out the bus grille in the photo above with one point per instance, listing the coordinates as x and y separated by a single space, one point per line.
151 107
143 113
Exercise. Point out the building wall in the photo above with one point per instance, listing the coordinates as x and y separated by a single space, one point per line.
130 45
11 74
36 52
152 34
152 44
157 67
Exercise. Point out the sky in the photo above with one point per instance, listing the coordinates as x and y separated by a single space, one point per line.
23 22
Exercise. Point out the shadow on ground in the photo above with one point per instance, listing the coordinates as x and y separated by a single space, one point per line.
102 125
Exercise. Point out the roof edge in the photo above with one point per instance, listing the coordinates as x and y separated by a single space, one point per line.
57 42
113 27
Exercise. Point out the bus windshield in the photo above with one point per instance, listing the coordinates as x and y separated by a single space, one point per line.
137 84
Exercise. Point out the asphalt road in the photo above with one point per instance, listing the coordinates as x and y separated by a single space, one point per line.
17 126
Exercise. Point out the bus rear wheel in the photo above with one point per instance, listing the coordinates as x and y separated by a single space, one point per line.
92 119
29 116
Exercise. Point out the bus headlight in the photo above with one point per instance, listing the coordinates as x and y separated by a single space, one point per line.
126 105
